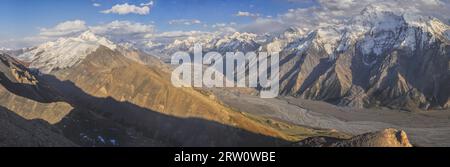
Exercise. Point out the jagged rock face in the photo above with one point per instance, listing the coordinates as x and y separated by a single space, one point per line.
385 138
23 94
378 59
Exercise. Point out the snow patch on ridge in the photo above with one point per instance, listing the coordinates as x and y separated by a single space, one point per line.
65 52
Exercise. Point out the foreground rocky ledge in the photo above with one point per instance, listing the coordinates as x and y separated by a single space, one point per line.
385 138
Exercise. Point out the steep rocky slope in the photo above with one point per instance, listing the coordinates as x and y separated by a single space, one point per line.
19 132
28 108
378 58
105 121
124 91
142 96
22 93
35 114
103 84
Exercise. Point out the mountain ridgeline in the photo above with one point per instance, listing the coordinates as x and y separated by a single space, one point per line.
378 58
108 99
96 121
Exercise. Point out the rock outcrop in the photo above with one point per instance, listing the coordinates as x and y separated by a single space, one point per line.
22 93
385 138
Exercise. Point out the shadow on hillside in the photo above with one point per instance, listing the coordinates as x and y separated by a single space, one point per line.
16 131
38 92
317 71
98 121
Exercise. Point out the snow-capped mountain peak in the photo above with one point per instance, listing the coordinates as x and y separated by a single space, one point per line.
64 52
222 43
2 48
379 57
378 29
243 42
90 36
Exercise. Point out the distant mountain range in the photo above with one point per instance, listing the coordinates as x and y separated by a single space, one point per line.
97 95
376 59
42 110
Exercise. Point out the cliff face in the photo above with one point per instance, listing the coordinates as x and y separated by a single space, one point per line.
22 93
377 59
28 108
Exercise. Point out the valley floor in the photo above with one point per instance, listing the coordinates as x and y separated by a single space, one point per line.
431 128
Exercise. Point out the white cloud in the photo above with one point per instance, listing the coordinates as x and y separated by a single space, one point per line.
175 34
263 25
247 14
23 42
224 27
123 9
96 5
185 21
151 3
116 30
124 30
226 30
64 29
219 25
330 12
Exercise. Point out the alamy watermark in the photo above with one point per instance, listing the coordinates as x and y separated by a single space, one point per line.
234 69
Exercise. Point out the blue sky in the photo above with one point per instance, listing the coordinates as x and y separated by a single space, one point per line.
21 18
26 23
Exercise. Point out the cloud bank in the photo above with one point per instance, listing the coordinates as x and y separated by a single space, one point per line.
66 28
123 9
184 22
330 12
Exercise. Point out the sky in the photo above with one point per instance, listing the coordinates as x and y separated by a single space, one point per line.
26 17
29 22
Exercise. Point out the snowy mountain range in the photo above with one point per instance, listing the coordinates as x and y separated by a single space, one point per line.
376 58
218 42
